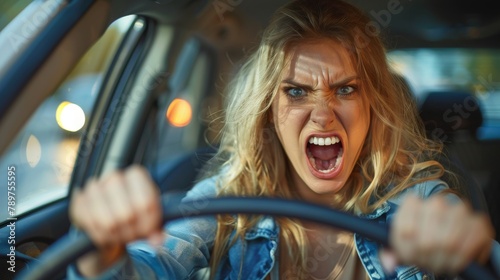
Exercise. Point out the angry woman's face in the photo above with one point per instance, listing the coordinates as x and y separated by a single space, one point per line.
321 117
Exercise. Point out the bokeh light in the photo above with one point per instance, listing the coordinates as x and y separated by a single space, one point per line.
70 116
179 113
33 151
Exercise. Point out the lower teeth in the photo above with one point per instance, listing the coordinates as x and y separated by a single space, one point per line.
326 171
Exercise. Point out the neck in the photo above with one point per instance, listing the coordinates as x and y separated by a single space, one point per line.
302 191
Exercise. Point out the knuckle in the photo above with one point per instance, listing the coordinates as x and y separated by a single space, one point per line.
426 246
412 201
145 229
114 179
437 202
96 238
110 227
137 170
128 234
93 230
91 190
90 182
451 246
145 206
462 209
75 208
102 222
126 218
398 221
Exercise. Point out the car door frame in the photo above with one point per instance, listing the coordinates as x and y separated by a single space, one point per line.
41 226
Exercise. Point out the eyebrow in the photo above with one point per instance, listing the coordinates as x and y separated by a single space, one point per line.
331 86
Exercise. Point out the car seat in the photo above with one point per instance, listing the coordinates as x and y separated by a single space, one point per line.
180 173
453 118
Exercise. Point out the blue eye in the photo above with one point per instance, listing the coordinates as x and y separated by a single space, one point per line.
295 92
345 90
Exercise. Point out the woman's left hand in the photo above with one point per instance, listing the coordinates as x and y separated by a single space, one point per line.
437 235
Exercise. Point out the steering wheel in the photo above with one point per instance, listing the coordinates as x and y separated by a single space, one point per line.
70 247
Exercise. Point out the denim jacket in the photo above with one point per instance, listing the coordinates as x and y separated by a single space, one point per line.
187 247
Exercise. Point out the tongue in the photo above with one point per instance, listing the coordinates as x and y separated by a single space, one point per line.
324 152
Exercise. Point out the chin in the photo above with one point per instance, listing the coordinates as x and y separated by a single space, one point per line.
320 186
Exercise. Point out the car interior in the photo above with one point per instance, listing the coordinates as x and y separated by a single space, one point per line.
146 78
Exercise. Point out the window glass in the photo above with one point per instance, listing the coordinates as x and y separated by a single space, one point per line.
474 70
183 123
45 150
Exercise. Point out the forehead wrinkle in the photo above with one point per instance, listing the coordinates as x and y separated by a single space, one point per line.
307 68
326 79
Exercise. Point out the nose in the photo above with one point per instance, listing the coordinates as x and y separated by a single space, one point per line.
323 115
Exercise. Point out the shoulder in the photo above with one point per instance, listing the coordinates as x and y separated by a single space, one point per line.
205 188
424 190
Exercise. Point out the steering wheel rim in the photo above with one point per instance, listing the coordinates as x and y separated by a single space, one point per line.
70 247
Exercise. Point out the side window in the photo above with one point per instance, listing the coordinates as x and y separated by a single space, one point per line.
185 121
45 150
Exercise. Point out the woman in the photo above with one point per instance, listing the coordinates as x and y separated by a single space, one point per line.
314 114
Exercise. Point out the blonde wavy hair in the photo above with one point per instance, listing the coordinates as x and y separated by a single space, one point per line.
396 153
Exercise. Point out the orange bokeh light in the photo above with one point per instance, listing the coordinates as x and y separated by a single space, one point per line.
179 113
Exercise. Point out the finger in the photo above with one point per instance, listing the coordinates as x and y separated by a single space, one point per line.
79 208
433 217
121 212
404 228
101 225
485 228
146 200
76 207
450 236
476 243
437 262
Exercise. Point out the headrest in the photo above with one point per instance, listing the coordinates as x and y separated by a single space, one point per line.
448 113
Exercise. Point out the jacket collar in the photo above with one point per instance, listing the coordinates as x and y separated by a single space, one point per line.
266 227
383 209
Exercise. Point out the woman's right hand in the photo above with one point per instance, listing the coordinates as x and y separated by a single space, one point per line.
114 210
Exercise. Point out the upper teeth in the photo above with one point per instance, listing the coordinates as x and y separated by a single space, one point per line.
324 141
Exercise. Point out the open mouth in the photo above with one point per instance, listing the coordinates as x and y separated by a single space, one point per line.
324 153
